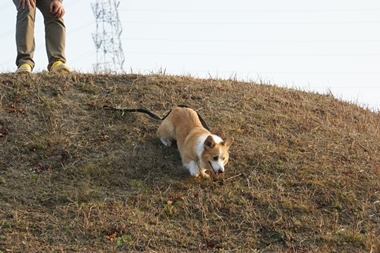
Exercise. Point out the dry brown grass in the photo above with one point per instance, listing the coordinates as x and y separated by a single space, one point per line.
303 174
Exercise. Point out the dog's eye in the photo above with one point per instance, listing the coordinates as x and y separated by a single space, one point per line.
215 158
224 158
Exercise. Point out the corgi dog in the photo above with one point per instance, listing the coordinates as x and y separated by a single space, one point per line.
199 149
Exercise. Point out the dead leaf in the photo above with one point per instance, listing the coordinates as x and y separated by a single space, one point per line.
111 237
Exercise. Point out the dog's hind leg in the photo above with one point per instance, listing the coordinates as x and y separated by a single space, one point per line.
166 142
166 134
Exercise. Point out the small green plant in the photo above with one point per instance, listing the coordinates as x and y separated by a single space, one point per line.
122 240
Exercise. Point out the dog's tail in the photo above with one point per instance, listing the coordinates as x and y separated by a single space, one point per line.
151 114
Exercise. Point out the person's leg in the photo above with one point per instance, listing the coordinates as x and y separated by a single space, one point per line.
25 35
55 34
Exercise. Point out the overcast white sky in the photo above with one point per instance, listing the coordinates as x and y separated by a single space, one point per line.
322 46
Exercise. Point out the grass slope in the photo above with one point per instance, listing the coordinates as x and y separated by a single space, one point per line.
303 174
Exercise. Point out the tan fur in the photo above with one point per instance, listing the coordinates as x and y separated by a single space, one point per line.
199 149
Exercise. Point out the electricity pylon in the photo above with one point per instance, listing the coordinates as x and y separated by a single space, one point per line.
109 52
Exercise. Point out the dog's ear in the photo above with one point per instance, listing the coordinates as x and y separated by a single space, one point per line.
209 143
228 142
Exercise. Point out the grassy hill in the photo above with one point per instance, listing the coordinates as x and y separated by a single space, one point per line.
303 176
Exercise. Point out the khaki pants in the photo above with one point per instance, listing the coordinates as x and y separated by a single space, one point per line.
55 34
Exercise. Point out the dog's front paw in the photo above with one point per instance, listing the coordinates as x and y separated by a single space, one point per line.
204 174
193 168
194 173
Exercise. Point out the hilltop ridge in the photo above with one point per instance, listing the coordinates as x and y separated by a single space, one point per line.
303 174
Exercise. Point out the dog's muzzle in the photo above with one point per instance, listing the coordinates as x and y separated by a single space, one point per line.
216 172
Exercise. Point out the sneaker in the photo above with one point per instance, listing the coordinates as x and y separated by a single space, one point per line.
60 67
24 68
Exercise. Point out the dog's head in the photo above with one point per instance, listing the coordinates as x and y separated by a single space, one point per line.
215 153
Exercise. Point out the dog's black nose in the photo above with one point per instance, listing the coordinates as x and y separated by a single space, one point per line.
220 171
